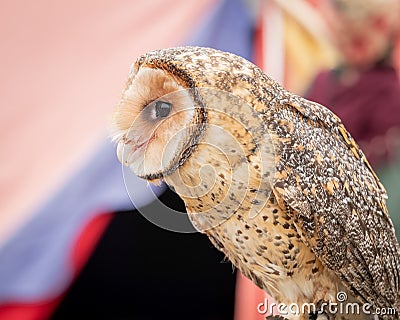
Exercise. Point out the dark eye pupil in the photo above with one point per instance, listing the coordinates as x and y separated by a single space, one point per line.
163 109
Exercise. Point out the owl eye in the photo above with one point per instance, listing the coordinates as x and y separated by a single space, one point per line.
163 109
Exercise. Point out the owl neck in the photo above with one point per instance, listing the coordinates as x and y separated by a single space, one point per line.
222 175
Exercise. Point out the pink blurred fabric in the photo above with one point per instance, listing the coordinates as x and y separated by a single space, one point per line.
63 67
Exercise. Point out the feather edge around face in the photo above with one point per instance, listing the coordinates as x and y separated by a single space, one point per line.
141 140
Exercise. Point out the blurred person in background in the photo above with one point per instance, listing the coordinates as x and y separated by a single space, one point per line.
364 89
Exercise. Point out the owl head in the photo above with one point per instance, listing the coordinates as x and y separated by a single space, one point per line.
163 112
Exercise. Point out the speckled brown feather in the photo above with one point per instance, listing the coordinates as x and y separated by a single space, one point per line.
338 203
326 218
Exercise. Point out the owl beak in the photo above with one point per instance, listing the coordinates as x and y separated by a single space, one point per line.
127 152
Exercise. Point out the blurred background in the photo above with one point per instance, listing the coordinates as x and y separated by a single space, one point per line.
72 245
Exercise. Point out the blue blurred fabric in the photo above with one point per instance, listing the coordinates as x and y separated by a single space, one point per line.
229 28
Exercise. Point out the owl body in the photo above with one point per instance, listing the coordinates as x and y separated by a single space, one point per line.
265 246
275 181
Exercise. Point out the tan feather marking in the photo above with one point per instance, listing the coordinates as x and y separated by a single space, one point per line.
347 187
343 132
355 152
300 147
330 187
281 175
313 190
318 157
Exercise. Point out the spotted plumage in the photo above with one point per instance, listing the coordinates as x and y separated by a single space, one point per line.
275 181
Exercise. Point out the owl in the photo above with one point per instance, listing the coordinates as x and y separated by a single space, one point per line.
275 181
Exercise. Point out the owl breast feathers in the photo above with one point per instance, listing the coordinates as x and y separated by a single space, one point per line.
275 181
